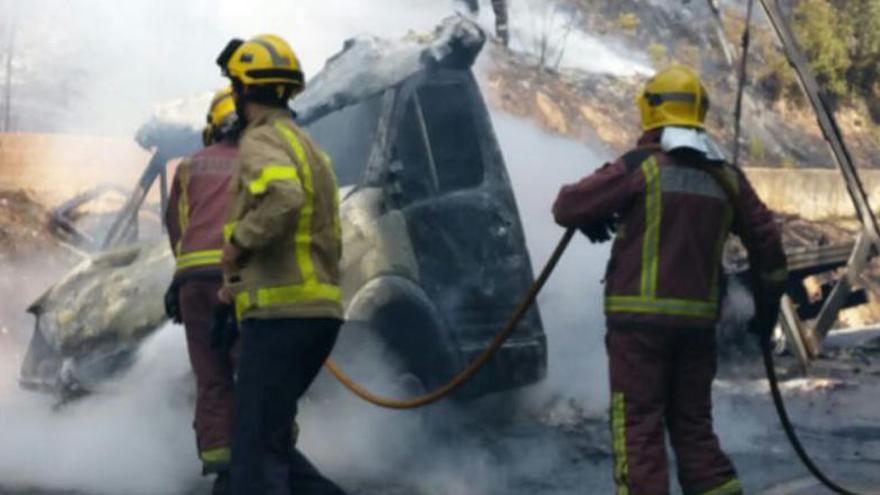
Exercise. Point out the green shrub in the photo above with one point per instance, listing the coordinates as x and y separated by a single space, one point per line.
757 150
628 21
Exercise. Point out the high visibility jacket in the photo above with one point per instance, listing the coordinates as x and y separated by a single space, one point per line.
673 221
285 216
197 207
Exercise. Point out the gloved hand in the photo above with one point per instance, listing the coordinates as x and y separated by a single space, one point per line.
172 303
600 232
224 327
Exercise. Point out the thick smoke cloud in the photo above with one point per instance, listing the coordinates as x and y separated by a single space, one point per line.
100 66
571 305
132 437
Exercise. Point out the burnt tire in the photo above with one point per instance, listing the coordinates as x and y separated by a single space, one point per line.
417 342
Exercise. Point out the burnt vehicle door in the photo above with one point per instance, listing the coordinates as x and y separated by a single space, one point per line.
447 175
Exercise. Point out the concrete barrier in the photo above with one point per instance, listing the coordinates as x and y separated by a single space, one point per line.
814 194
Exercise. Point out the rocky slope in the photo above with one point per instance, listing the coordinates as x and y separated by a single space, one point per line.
560 88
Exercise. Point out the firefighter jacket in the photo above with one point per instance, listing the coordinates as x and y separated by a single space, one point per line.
673 220
197 208
285 217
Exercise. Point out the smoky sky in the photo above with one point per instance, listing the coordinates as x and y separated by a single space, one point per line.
99 66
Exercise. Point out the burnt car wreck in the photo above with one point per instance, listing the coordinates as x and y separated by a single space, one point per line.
434 256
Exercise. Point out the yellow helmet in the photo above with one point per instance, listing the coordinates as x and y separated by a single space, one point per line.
222 116
674 97
266 60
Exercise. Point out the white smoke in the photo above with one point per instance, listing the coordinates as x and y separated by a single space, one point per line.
571 305
553 31
113 61
132 437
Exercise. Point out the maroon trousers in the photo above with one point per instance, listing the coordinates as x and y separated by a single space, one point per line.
661 381
214 370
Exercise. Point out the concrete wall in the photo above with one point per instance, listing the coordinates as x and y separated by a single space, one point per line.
814 194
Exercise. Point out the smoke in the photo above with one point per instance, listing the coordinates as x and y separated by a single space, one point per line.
571 305
133 436
552 32
114 60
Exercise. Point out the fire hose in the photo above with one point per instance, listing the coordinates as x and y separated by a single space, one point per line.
788 427
478 363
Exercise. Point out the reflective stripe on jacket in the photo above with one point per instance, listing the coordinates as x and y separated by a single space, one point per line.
673 221
197 207
285 215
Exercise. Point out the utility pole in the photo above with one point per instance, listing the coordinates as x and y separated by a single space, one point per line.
7 85
7 88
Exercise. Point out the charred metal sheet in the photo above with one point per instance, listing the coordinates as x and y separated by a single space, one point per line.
96 316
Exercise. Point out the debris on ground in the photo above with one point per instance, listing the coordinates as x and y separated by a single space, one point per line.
23 224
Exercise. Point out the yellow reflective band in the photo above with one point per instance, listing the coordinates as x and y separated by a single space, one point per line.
199 258
618 434
293 294
673 307
228 230
242 304
304 227
220 455
653 217
270 174
732 487
286 295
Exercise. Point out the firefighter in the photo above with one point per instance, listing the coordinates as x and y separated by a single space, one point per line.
281 265
502 30
195 218
664 282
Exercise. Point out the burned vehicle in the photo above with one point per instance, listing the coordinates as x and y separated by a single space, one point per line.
434 258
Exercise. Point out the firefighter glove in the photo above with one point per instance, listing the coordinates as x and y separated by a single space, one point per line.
600 232
172 303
